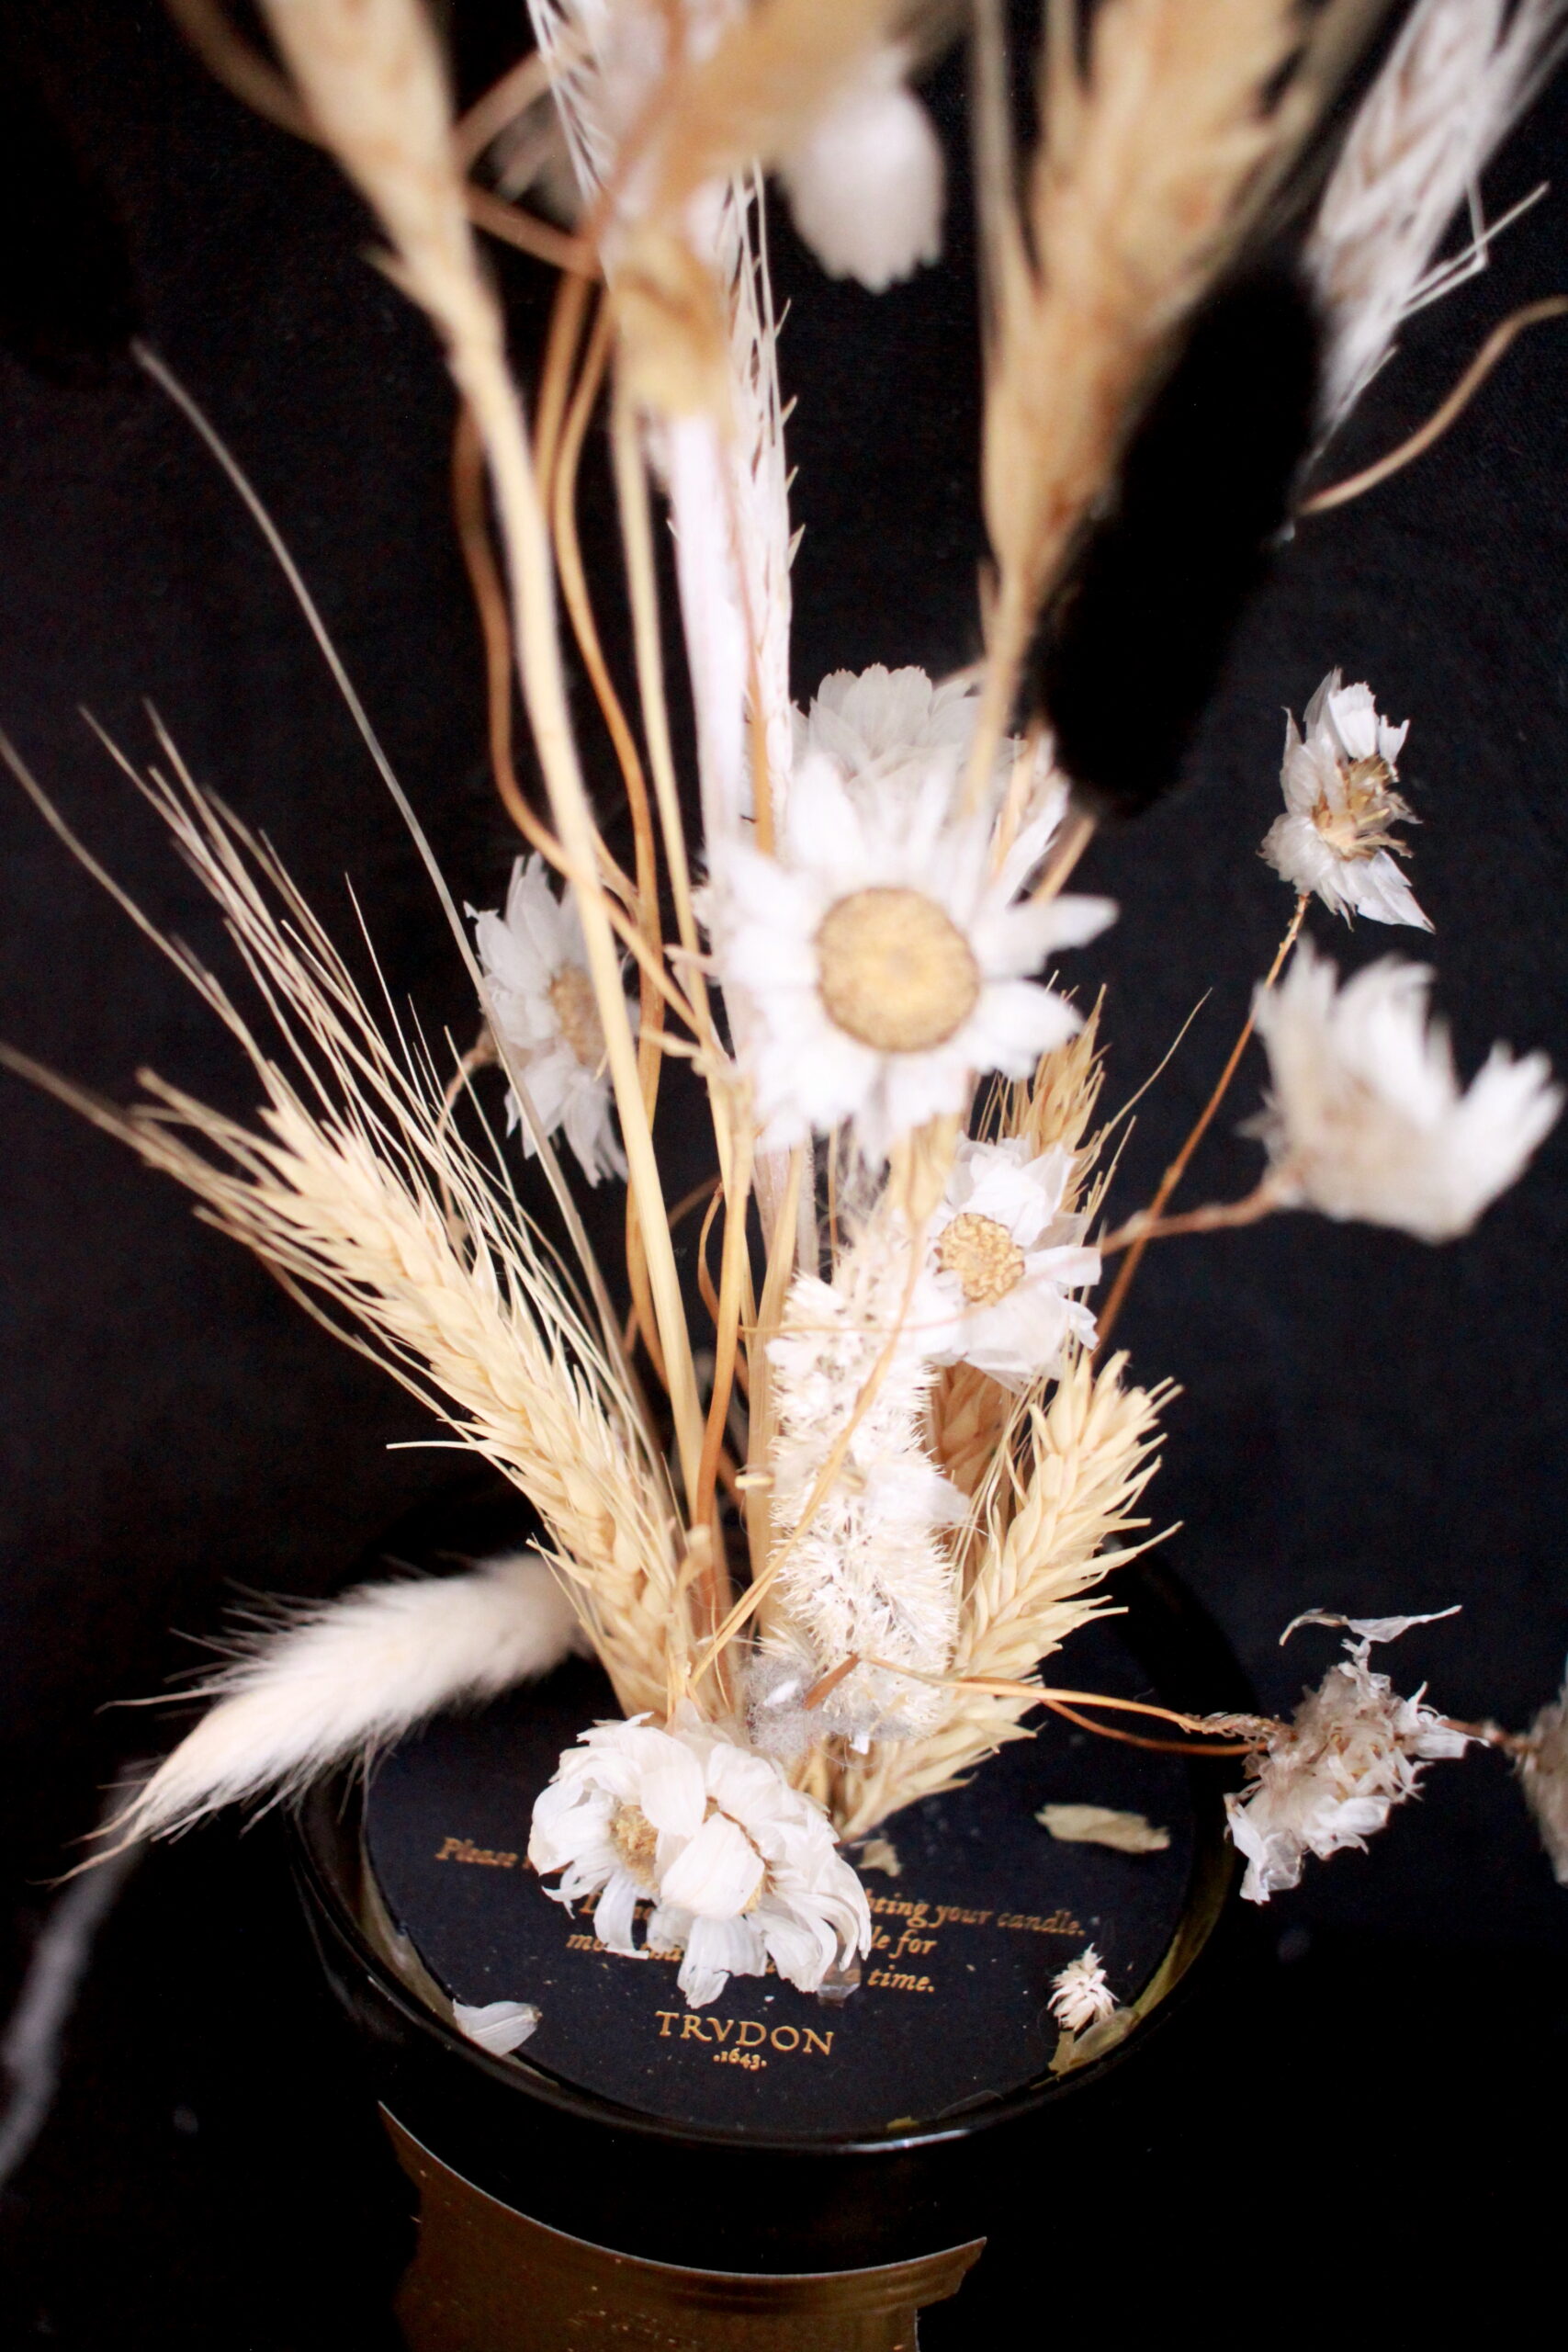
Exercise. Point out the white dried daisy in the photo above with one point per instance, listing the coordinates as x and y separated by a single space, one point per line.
1543 1772
536 964
865 183
1336 836
740 1868
1331 1777
1082 1994
881 959
1365 1117
1005 1262
878 719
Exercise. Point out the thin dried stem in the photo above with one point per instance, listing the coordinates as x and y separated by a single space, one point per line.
1177 1169
1447 413
1218 1217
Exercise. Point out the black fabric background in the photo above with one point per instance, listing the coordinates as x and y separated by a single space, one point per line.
1365 1424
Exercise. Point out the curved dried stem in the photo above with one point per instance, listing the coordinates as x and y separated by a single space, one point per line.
1177 1169
1447 413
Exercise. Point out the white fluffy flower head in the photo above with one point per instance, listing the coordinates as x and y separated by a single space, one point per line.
740 1868
1332 1775
536 964
1005 1262
871 1573
1366 1118
1336 836
865 182
882 961
1082 1994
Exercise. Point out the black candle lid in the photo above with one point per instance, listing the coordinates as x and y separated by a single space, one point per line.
867 2132
976 1909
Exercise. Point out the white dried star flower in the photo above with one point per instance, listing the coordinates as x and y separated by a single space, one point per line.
536 964
1332 1775
1543 1771
1365 1117
865 183
740 1868
1005 1262
1457 77
882 960
1336 836
879 722
870 1573
1082 1995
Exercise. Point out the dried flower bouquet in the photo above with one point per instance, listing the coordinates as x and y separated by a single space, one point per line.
824 1527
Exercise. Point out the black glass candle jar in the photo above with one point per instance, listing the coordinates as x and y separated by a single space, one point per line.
774 2169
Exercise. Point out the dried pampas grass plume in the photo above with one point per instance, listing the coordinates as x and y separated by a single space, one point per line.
1087 1457
322 1686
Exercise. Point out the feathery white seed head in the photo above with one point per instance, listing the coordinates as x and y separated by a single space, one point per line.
1456 80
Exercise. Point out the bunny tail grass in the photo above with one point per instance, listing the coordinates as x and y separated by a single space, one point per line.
340 1681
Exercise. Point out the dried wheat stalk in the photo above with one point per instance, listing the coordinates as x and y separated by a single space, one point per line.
1088 1456
1456 80
354 1184
1143 160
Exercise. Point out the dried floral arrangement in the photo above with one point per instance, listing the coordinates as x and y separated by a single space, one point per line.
824 1527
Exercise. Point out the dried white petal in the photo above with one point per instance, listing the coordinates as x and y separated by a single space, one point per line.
880 1854
739 1867
865 183
1368 1629
868 1574
1082 1995
1099 1825
499 2027
1366 1118
1336 836
537 963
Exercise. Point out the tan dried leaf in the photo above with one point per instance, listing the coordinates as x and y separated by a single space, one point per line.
1101 1824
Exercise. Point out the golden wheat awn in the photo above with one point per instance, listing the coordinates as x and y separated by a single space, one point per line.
1087 1457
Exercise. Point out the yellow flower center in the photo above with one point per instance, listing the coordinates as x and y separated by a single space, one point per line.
895 971
636 1841
572 1002
1360 827
984 1255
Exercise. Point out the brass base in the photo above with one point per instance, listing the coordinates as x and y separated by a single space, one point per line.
486 2279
